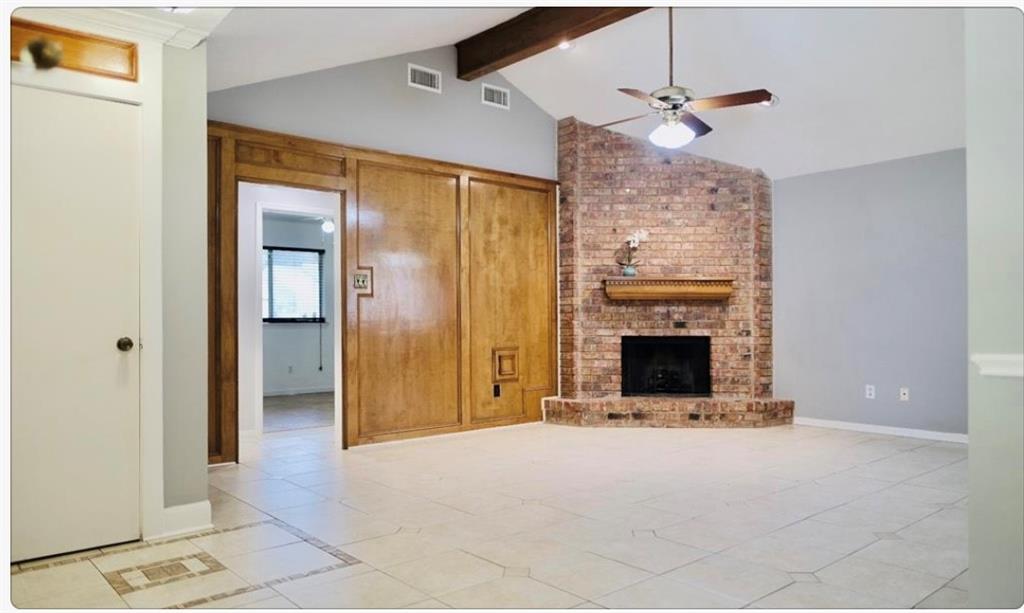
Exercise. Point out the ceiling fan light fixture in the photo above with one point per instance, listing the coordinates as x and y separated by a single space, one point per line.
672 135
565 45
771 101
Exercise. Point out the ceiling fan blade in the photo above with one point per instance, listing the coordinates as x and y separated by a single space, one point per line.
649 99
605 125
694 123
737 99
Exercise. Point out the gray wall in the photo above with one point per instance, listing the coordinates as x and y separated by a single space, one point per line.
369 105
871 288
184 275
995 254
293 345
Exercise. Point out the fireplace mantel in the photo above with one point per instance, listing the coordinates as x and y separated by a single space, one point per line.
667 288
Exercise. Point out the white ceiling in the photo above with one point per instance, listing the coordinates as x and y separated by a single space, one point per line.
856 85
257 44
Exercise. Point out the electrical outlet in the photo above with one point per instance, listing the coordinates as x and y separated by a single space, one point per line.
289 370
904 394
869 391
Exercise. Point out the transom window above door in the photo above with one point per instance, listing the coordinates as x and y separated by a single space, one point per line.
293 285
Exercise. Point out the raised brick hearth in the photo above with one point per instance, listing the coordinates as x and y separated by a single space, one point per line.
706 219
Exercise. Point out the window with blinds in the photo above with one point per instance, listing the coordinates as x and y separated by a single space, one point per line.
293 285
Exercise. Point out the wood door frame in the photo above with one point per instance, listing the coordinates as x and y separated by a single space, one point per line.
240 153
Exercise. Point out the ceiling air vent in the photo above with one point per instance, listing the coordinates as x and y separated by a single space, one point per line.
492 95
425 78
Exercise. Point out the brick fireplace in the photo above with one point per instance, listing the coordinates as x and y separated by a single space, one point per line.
706 219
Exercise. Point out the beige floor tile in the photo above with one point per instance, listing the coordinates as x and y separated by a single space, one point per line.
445 572
272 494
334 523
478 502
386 551
277 602
587 575
945 598
92 597
515 552
371 590
946 562
820 596
261 566
650 553
240 600
738 579
230 512
144 555
900 586
56 581
785 556
427 604
961 581
664 593
186 590
245 540
510 593
815 534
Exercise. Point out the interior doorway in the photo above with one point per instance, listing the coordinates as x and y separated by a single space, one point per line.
289 308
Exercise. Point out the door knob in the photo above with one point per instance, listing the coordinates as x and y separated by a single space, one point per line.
125 344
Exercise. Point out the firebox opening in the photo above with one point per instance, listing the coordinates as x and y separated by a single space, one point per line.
666 366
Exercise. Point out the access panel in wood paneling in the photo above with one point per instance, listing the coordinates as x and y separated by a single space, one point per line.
407 348
510 300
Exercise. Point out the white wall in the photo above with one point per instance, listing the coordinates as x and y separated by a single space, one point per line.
292 351
250 316
370 105
995 254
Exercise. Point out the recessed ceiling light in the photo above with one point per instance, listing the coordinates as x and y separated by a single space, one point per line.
177 9
565 45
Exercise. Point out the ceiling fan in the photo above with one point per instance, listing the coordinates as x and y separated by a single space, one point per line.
676 106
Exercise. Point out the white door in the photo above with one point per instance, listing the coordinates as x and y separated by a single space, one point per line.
75 176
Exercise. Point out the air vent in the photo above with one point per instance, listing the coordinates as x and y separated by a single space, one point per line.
425 78
492 95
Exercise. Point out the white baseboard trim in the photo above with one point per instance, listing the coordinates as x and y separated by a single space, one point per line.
999 364
299 390
951 437
185 518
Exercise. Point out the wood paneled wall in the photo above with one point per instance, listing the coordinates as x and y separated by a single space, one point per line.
456 329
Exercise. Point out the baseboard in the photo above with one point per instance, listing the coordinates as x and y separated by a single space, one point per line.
184 519
299 390
951 437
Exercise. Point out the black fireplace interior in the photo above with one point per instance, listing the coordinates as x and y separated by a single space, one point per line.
666 366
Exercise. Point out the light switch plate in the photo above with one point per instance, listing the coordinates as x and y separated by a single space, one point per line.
361 280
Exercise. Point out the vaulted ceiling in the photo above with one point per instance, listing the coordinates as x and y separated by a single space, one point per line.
257 44
856 85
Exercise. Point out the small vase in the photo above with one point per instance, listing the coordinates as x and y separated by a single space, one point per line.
629 270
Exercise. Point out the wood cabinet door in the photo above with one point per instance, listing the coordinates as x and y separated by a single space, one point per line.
406 324
510 311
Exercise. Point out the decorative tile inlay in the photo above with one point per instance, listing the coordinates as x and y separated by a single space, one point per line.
153 574
134 578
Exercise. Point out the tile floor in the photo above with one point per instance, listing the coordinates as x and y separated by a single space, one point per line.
298 411
543 516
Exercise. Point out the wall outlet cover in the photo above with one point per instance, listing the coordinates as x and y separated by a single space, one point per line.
904 394
869 391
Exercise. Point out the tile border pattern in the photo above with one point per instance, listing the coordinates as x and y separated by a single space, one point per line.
122 586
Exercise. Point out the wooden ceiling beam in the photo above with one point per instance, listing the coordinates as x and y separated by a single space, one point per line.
530 33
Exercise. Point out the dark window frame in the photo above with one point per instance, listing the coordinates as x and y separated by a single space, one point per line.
270 286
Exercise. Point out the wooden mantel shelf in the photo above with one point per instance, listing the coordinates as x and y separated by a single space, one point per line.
667 288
